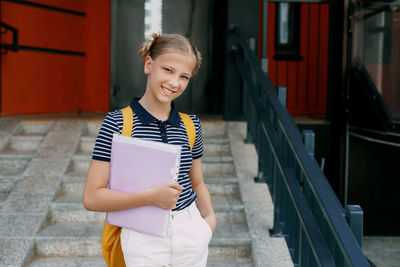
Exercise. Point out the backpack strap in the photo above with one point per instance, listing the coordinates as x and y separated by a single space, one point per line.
190 129
111 239
127 114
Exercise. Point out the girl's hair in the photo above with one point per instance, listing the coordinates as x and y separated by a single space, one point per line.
162 43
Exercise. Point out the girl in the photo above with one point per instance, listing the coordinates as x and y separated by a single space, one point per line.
170 60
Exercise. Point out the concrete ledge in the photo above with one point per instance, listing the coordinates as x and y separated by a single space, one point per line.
267 251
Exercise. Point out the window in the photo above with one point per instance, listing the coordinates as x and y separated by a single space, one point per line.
152 17
287 31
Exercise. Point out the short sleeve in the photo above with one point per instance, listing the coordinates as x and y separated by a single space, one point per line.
197 151
102 147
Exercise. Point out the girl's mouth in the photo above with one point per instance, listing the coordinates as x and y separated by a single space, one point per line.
167 91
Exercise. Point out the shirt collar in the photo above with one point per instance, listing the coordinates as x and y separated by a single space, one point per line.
145 117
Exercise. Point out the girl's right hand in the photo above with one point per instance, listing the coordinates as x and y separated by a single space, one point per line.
166 195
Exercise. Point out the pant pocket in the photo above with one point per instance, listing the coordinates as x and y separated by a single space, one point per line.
207 226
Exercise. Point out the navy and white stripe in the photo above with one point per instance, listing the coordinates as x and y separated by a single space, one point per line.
147 127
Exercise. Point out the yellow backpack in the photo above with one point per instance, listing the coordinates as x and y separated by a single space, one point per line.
111 243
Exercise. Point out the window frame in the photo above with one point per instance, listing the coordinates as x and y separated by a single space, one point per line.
290 51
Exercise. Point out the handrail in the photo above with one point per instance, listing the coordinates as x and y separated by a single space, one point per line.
14 45
288 167
17 47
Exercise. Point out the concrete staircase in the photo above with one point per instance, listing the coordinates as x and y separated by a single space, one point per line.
71 236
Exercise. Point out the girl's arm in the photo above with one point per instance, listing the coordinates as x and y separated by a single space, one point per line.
97 197
203 196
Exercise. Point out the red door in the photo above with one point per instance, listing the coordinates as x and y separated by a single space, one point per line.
62 64
306 80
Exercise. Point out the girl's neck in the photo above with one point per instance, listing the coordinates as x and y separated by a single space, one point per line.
160 111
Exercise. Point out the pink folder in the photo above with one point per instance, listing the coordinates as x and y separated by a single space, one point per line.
135 165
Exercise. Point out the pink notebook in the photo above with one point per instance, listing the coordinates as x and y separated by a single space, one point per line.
135 165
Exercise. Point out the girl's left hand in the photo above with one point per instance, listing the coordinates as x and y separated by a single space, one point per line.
212 222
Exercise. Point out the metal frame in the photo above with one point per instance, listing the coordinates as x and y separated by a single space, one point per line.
289 51
307 212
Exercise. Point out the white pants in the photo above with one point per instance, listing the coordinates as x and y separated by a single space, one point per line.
186 245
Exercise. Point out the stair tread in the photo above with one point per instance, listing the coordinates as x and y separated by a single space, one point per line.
212 157
225 234
99 262
219 202
67 262
207 178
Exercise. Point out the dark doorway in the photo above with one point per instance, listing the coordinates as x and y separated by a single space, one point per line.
193 19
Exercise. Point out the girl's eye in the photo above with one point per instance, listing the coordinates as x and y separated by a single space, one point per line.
185 77
167 70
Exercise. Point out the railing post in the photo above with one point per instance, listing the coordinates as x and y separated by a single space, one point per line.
282 95
354 217
309 141
264 65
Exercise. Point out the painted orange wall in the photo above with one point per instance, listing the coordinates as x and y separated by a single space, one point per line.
97 93
40 82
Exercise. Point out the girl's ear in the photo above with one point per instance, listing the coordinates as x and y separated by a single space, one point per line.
147 65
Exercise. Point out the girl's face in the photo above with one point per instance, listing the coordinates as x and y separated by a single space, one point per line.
168 75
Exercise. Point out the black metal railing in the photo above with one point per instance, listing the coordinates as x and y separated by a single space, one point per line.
16 46
4 27
306 210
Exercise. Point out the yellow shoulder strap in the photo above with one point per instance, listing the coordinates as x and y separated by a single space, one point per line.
187 121
128 121
190 129
111 243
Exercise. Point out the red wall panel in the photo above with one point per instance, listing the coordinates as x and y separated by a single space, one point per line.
97 94
313 47
272 66
45 28
323 56
306 80
302 86
40 84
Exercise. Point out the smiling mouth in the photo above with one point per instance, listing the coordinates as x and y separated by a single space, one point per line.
167 91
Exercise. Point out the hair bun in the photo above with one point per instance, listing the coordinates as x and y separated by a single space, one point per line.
145 48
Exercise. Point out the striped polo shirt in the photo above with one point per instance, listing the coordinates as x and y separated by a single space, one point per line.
147 127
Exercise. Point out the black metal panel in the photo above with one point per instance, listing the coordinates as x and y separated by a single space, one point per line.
285 144
367 107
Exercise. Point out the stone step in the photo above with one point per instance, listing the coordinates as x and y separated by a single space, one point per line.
213 129
22 145
99 262
34 128
86 145
7 129
210 129
211 165
217 144
92 128
67 262
84 240
237 262
13 166
69 209
216 185
211 145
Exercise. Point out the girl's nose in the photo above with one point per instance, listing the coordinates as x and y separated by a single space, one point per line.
173 81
